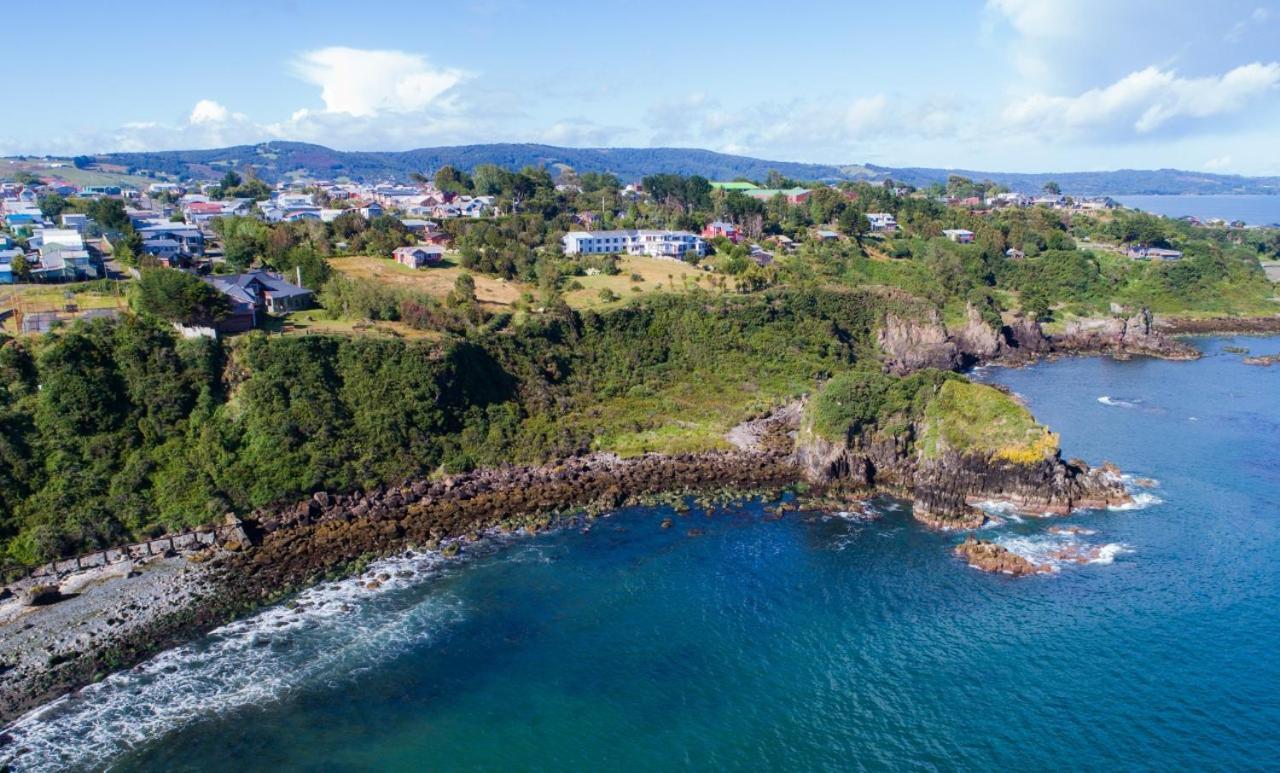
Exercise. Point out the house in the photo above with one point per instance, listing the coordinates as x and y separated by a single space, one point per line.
416 226
827 236
1014 254
760 255
719 228
419 255
587 220
190 239
959 235
6 266
1154 253
75 221
655 244
882 222
370 210
254 293
201 212
784 242
166 251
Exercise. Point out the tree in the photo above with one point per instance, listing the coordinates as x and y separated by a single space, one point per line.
21 268
230 180
1051 188
1036 303
464 291
452 180
108 213
52 205
176 296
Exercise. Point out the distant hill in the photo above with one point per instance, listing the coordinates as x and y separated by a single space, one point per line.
277 160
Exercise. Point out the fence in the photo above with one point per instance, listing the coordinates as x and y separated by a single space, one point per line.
184 542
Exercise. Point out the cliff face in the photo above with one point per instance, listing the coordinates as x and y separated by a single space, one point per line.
910 345
1122 338
944 490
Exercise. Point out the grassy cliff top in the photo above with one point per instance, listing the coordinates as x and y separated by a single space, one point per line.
975 418
951 414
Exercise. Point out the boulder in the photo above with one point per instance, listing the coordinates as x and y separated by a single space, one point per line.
39 595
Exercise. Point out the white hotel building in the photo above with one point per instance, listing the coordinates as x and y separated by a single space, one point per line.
655 244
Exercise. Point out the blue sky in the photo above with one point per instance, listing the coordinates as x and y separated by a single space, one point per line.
1016 85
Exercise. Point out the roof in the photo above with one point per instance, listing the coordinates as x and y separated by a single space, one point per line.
242 287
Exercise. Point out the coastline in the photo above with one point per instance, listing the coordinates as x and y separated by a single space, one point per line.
124 620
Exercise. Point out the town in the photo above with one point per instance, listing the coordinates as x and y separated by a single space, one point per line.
269 249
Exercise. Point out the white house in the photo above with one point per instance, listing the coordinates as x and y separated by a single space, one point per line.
882 221
959 235
655 244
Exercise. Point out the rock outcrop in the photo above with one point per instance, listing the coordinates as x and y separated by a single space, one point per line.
1121 338
944 490
910 345
990 557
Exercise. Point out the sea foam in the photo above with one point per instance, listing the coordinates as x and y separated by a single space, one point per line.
325 635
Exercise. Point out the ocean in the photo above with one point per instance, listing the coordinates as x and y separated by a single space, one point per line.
1252 209
733 641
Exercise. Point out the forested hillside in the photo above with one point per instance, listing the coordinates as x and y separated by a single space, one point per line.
275 160
111 431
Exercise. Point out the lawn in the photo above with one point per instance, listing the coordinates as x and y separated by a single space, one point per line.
654 276
317 321
495 294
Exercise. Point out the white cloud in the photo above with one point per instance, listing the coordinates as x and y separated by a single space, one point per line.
365 83
208 111
1217 164
1144 102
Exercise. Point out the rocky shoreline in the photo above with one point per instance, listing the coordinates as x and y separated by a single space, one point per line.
113 617
1220 326
126 612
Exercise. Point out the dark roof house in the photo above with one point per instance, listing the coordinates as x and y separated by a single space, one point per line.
258 291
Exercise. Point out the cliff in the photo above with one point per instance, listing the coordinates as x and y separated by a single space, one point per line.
911 344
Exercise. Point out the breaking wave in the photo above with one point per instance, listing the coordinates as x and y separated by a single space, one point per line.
328 634
1118 403
1056 551
1141 501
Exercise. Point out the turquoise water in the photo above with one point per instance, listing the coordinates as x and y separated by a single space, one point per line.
830 643
1252 209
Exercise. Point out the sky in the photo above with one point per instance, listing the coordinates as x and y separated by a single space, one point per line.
1000 85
